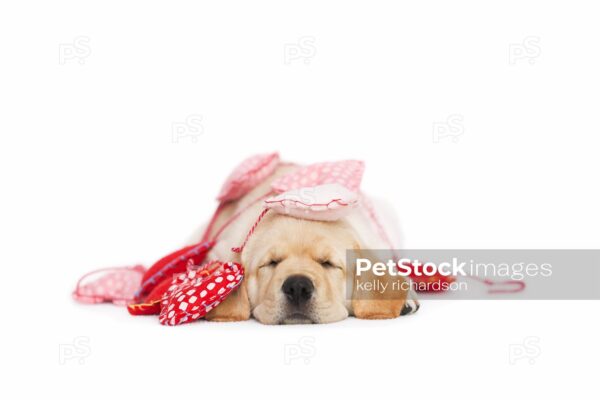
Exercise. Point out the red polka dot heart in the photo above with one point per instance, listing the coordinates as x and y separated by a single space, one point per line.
193 294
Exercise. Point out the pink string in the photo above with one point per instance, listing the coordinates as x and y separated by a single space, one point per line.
519 286
237 214
251 231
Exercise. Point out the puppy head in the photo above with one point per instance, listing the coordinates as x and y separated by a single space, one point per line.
296 270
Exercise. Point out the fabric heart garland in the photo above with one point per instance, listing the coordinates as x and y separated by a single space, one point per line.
180 292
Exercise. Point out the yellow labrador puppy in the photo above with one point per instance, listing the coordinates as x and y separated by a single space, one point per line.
296 269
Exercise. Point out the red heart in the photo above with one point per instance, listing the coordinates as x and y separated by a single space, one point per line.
170 264
193 294
151 304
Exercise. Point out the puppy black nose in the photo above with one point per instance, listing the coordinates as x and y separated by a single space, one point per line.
298 289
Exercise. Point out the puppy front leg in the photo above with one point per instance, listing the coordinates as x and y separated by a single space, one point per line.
236 307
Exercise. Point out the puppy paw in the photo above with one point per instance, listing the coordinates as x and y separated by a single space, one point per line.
222 318
377 309
411 306
223 313
377 316
236 307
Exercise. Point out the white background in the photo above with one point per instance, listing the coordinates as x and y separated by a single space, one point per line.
93 176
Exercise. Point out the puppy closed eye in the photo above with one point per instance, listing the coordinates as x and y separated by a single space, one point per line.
271 263
328 264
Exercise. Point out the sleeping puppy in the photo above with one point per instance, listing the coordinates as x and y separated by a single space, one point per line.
296 270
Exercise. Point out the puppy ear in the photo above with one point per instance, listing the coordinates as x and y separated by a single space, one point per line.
374 296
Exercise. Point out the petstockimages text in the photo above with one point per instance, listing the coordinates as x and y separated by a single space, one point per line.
405 267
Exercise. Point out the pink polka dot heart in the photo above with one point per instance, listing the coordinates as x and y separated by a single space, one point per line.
347 173
116 285
193 294
247 175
